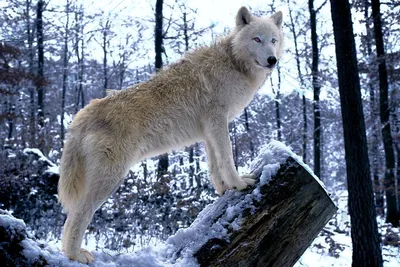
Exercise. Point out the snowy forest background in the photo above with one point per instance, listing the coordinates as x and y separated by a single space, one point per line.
55 56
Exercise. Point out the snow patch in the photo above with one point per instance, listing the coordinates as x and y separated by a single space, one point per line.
39 153
7 221
271 157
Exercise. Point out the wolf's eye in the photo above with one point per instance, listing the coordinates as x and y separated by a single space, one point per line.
257 39
274 40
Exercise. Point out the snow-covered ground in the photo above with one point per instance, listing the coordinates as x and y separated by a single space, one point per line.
332 247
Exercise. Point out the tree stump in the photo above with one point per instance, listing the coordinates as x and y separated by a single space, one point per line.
289 212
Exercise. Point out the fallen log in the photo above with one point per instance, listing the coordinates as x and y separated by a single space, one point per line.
269 225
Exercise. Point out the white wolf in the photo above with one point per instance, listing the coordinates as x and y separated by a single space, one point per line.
191 100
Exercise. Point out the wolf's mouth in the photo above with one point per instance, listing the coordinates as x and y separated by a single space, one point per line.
264 67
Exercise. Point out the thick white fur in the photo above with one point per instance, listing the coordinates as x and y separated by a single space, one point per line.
191 100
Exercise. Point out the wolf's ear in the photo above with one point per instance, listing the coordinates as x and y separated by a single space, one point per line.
243 16
277 18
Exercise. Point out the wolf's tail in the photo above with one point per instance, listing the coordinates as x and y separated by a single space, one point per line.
71 185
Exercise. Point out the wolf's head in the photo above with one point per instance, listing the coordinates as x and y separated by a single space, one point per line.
258 41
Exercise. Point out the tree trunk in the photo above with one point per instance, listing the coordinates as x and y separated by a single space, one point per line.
304 102
163 160
290 211
191 148
305 127
396 134
106 32
32 107
277 106
397 146
389 182
10 117
64 77
79 53
248 130
185 31
374 152
158 40
317 89
234 142
40 87
277 110
364 229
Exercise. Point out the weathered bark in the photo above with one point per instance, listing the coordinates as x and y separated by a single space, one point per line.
292 210
389 181
364 229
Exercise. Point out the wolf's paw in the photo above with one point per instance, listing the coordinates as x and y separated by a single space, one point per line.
238 183
249 179
83 256
89 257
243 182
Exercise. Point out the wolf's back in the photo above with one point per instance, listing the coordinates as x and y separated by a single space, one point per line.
71 185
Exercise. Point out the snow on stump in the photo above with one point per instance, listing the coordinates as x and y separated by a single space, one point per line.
269 225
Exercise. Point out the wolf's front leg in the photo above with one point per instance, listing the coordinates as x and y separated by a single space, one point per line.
220 158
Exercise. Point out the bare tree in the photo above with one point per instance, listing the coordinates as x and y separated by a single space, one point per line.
317 89
30 40
105 31
163 160
375 127
249 132
390 187
292 27
277 105
364 229
79 46
40 51
65 72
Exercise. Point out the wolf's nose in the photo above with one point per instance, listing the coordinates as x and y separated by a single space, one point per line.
272 60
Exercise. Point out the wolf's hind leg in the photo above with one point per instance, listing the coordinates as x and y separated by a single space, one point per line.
98 188
74 229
